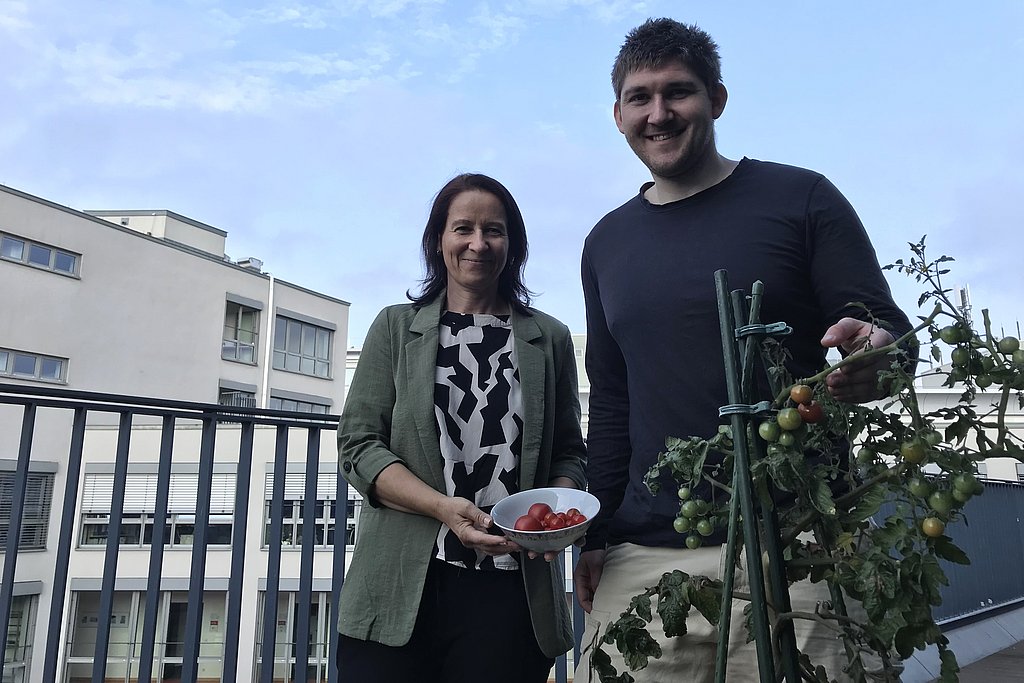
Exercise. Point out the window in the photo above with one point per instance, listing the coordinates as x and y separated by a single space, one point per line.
241 332
325 510
20 635
137 520
24 365
320 627
39 255
127 620
236 398
35 518
277 403
1020 472
302 347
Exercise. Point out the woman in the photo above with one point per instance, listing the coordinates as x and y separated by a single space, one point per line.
460 398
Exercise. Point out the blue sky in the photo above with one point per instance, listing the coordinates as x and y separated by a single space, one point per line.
316 133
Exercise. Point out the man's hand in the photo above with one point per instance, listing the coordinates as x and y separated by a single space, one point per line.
857 382
586 576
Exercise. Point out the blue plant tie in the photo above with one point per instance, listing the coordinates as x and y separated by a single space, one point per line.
769 330
745 409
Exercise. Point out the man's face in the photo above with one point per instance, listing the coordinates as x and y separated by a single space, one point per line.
668 118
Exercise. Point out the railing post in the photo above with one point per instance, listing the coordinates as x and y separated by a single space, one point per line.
197 575
156 551
99 665
306 562
268 645
238 536
340 541
64 543
14 526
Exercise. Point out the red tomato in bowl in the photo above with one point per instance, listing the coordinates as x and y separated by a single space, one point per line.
556 523
539 511
528 523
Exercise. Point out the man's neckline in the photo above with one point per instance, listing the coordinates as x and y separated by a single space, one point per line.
652 185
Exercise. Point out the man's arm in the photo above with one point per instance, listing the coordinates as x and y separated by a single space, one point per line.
608 446
845 271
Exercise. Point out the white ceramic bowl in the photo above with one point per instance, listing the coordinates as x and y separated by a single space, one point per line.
507 511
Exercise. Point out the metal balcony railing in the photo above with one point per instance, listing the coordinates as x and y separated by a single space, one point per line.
275 657
991 582
83 406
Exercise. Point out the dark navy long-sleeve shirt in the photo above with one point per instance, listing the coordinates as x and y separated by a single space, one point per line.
654 351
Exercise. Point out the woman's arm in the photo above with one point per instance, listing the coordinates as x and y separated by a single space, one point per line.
568 452
399 489
364 433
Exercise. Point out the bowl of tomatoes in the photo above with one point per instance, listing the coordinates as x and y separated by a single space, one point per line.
545 520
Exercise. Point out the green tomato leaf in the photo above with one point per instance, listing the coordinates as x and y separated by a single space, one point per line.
821 497
947 550
631 638
601 664
869 503
948 666
908 639
673 603
706 599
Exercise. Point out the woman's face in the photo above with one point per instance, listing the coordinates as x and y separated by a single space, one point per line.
474 243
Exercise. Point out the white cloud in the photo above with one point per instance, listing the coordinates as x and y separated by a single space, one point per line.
303 16
13 16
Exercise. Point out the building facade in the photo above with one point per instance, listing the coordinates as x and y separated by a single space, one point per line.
146 303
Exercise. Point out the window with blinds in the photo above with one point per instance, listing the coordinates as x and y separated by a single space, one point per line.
140 509
35 517
325 510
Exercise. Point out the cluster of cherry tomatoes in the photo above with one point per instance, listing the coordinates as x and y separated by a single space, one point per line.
789 420
694 518
541 517
973 357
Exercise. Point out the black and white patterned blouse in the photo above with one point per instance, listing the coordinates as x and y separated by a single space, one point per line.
478 405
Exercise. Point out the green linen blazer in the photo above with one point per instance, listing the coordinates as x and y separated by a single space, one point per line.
389 417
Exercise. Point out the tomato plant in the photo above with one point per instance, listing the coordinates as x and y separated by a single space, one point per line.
873 558
769 431
789 419
801 393
932 527
914 451
811 413
919 487
952 334
1008 345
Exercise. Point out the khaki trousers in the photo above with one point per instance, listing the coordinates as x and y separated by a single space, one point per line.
630 569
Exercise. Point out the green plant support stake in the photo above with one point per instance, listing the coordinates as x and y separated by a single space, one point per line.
771 535
743 490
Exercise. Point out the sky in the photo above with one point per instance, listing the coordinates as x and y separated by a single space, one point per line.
317 133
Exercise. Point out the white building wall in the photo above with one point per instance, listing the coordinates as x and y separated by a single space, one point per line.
144 317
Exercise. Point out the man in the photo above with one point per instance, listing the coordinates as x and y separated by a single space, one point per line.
654 353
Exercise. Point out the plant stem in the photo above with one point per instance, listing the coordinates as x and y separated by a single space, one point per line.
862 355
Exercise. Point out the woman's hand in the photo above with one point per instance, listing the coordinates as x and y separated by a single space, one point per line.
471 525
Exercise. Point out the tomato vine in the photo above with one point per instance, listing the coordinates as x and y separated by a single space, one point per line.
876 502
